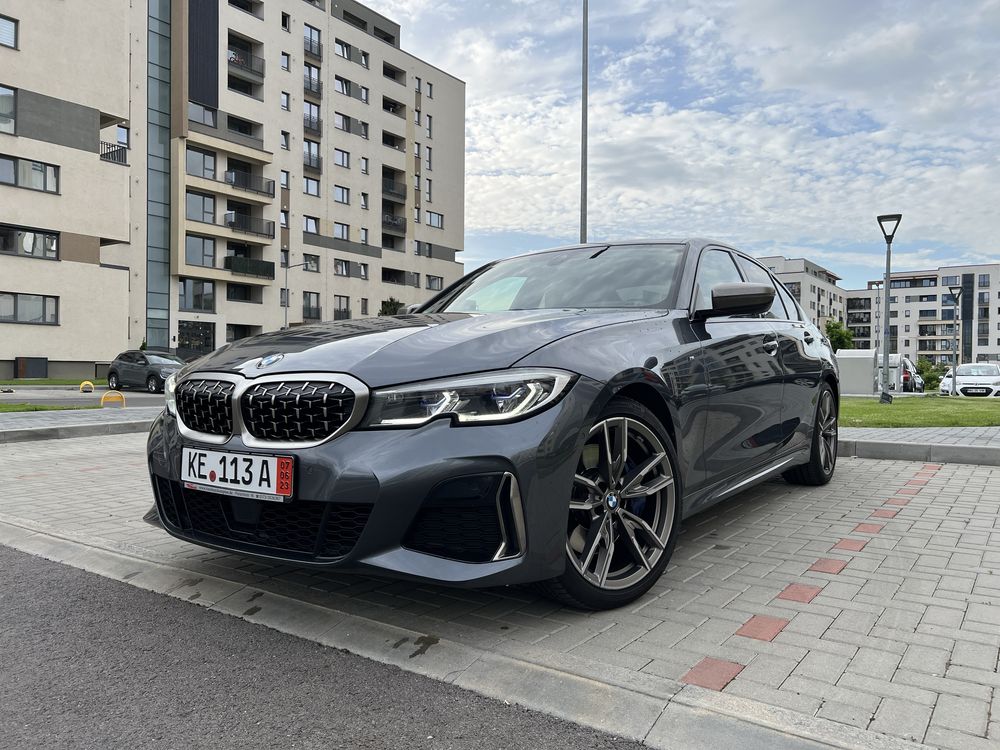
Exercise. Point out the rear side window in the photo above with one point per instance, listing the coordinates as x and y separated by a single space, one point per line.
758 275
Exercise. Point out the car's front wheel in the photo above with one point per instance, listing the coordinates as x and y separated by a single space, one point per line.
153 384
624 510
823 456
113 383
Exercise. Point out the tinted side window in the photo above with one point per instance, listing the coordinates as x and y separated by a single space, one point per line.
758 275
123 357
715 267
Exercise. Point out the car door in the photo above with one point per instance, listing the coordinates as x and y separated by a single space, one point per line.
744 377
800 353
126 363
139 369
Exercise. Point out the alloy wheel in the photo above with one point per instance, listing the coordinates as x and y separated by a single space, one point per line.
826 423
153 385
622 506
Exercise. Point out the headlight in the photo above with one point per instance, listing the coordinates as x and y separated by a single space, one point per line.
169 388
489 397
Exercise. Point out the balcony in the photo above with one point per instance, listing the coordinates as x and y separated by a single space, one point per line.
394 223
312 313
393 107
313 48
250 182
393 141
312 124
248 224
313 162
261 269
245 62
312 86
391 187
341 314
115 153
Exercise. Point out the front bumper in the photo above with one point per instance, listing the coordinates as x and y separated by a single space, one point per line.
975 390
367 491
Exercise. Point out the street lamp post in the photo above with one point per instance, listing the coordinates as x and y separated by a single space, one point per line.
288 293
956 292
888 224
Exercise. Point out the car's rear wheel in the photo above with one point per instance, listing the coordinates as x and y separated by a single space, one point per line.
153 384
823 456
624 510
113 383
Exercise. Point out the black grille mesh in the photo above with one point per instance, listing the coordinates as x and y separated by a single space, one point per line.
296 411
459 520
206 406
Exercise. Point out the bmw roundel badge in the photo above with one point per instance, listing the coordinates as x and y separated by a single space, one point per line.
269 360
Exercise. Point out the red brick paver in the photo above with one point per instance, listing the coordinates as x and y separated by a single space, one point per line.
906 491
917 482
869 528
828 565
851 545
884 513
933 467
713 674
897 501
762 627
799 592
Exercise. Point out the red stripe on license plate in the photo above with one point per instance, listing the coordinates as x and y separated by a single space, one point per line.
284 479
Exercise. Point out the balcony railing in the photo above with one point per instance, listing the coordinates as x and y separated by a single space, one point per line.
262 269
114 152
312 86
394 222
313 161
313 48
312 124
312 313
245 61
250 182
341 314
393 188
248 224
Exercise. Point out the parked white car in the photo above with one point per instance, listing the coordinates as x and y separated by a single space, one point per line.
976 380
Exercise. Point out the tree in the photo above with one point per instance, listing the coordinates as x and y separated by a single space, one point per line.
931 373
391 306
840 337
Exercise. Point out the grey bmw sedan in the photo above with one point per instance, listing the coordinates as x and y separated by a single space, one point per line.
548 418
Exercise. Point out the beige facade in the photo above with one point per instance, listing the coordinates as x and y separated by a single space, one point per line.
814 287
64 185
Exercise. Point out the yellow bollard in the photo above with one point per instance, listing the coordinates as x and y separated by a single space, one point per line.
86 383
113 396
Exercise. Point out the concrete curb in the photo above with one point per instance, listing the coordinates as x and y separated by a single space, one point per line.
658 713
27 434
928 452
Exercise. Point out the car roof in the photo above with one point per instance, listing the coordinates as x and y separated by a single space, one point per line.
694 243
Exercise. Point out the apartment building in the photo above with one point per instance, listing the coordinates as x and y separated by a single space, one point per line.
814 287
64 186
205 151
923 316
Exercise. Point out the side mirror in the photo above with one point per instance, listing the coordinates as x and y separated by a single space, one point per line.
411 308
742 298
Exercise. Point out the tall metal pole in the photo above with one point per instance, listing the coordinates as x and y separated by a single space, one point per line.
583 132
885 324
954 353
286 290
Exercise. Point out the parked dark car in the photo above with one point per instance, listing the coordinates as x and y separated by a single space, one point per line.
145 369
551 417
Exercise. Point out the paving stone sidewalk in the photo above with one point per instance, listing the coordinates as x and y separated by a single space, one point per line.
44 425
873 601
979 436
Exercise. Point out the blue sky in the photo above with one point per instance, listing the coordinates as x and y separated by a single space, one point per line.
781 126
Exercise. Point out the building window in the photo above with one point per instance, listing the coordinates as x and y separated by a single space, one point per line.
435 283
341 304
283 297
364 200
363 92
29 243
364 305
342 49
364 60
416 117
29 308
364 235
416 149
310 306
363 270
8 110
342 158
430 127
341 268
286 61
364 165
197 295
310 186
949 281
8 32
430 90
341 121
341 231
285 139
286 22
416 84
430 164
201 114
416 214
310 224
200 163
310 263
416 182
430 192
363 129
284 259
285 101
199 251
435 220
200 207
283 218
342 85
284 178
32 175
984 280
341 194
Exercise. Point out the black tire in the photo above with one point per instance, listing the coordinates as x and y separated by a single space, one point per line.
572 588
153 384
819 470
114 383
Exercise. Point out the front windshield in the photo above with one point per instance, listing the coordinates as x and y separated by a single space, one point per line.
617 276
979 371
164 359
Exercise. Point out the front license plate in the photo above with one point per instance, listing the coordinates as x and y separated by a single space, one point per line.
250 475
977 391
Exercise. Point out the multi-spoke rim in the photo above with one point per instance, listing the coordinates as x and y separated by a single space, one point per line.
826 423
622 507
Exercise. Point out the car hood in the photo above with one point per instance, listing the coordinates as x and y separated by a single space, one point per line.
404 348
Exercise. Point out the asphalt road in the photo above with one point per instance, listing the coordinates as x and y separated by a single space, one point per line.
72 397
86 662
